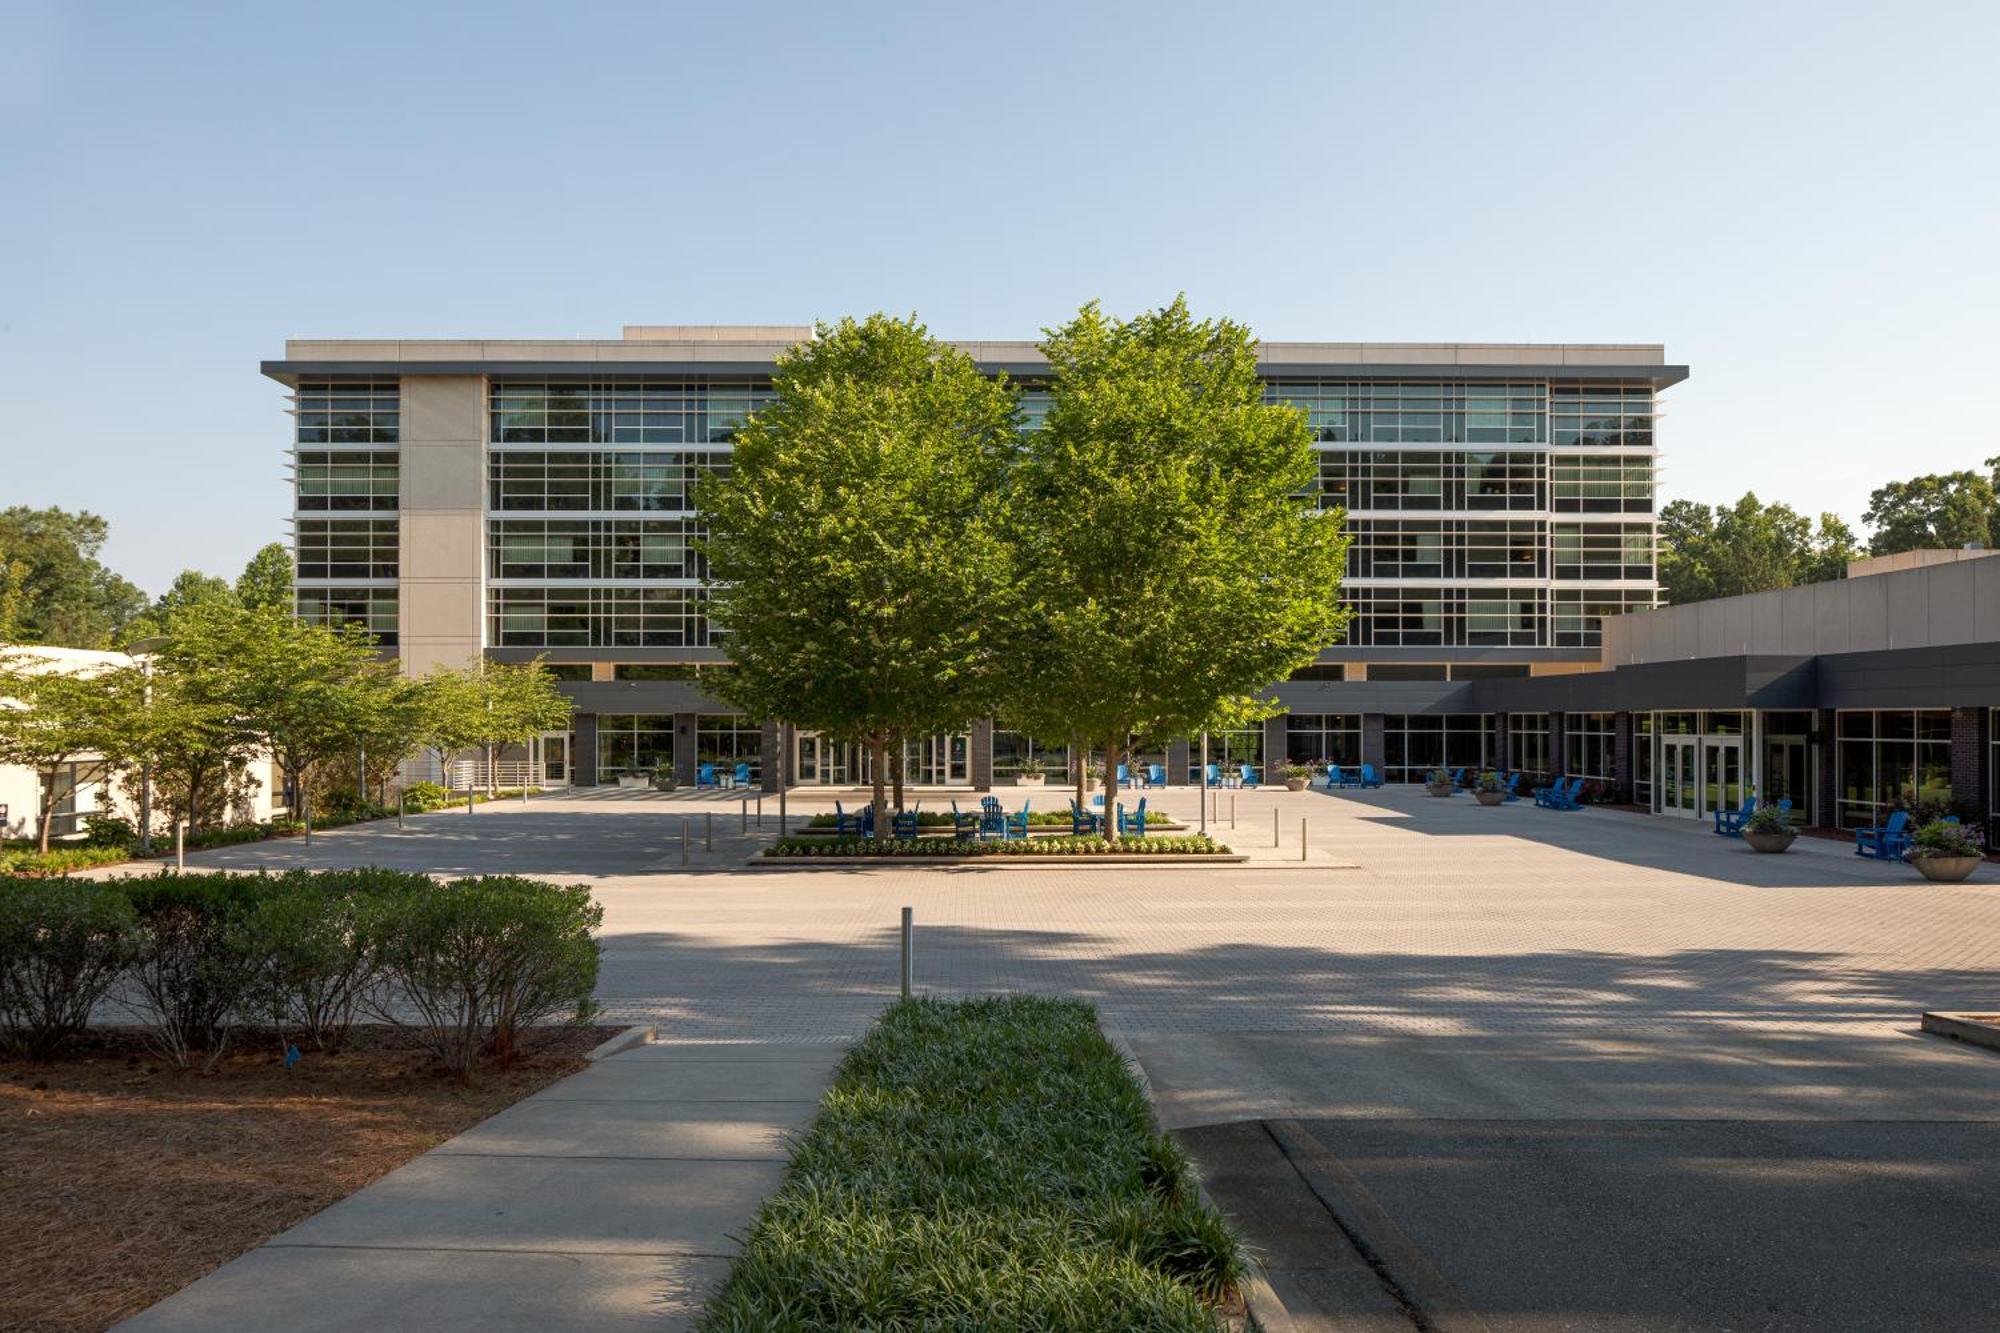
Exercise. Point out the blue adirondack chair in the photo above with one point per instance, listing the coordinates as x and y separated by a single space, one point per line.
964 824
1017 822
1457 781
1561 796
1156 775
1369 777
1885 842
1124 775
1539 792
1511 789
704 776
743 775
1132 825
905 825
1248 775
992 818
844 823
1212 774
1729 823
1084 823
1335 777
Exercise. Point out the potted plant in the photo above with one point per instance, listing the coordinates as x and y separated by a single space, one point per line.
1946 852
663 779
1438 782
1769 829
1489 790
1297 776
1031 773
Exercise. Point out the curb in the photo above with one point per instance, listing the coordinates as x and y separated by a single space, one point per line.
638 1035
1972 1029
1262 1309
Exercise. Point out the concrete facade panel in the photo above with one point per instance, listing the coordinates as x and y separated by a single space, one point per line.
1985 608
443 409
1907 603
1867 615
1948 599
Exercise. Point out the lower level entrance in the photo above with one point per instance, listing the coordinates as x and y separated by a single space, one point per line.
1699 775
944 760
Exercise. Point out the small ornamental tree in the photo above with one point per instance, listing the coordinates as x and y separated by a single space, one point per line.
857 558
55 713
489 705
1173 559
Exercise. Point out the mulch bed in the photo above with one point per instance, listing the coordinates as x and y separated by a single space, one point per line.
123 1179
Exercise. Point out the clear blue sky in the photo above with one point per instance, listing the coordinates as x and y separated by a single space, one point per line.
1802 201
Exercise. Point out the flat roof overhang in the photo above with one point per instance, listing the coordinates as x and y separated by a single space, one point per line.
290 372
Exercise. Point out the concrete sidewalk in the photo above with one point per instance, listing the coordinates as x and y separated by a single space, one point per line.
614 1197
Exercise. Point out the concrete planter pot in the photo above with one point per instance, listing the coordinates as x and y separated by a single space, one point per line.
634 781
1768 842
1946 869
1030 779
1438 788
1489 797
1295 784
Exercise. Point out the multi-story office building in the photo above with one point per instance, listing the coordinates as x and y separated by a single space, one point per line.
525 499
534 498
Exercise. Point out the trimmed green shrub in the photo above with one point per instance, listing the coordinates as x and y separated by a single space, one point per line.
62 945
476 961
197 959
423 797
985 1164
319 935
1939 838
108 831
218 837
25 860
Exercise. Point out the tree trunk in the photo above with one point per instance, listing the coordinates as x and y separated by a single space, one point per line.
306 809
1080 767
492 778
1112 751
896 748
878 763
48 810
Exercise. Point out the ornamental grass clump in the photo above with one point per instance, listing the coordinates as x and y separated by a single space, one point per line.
985 1164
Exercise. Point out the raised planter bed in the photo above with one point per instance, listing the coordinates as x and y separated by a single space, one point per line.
1973 1029
1151 850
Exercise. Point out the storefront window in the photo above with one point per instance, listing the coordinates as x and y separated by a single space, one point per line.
1890 759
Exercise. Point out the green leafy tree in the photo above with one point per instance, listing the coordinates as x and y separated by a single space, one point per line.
63 595
199 739
855 542
307 693
190 589
1172 556
54 714
267 580
486 706
1951 509
1708 551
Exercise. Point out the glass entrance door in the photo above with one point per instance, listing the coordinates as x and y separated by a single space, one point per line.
1721 775
1679 794
1788 774
555 759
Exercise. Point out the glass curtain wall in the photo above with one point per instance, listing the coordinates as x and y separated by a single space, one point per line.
1528 743
1319 739
729 739
1890 758
1590 746
633 743
1413 744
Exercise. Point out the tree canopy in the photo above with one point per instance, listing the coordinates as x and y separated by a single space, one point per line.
854 541
1170 552
1726 550
54 714
1951 509
53 588
266 581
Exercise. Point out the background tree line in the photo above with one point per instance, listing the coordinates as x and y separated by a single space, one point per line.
1726 550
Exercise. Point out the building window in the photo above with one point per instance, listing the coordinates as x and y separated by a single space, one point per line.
1320 739
583 548
1601 414
1340 411
1589 746
1577 615
598 618
1601 484
634 743
1439 549
622 411
531 481
347 411
1320 671
1642 759
1891 759
347 548
1528 743
373 609
1414 744
1227 750
1602 550
361 480
729 739
1014 752
1359 479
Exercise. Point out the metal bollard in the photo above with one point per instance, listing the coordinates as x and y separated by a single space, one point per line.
524 791
684 840
1302 838
468 800
1232 809
909 948
180 847
402 808
1274 828
745 812
760 812
708 831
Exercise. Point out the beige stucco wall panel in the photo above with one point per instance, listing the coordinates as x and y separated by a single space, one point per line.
443 409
